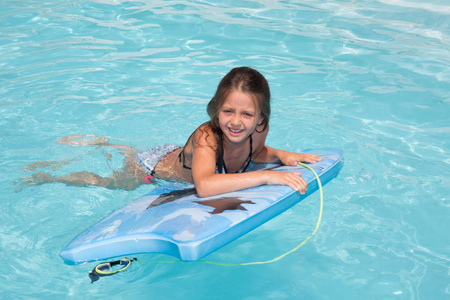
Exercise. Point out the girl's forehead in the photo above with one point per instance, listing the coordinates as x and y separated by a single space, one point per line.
237 98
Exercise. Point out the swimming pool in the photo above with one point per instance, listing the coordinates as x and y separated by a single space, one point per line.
369 77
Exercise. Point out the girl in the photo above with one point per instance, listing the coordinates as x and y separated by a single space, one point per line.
215 156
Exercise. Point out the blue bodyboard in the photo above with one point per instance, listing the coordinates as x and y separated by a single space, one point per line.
173 220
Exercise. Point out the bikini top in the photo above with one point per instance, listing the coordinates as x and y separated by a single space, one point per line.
221 168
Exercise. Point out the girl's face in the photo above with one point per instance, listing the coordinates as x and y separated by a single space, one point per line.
238 117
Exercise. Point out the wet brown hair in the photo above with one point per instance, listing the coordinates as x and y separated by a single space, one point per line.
245 80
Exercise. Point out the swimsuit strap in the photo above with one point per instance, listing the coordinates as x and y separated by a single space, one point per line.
183 161
221 162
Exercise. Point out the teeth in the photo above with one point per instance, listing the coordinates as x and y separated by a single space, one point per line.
235 130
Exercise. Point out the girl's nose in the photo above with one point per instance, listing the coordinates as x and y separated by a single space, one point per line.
235 120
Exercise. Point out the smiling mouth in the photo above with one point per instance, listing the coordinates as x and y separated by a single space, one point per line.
235 131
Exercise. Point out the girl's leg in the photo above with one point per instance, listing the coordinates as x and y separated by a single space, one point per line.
128 177
93 140
75 179
73 140
118 180
52 165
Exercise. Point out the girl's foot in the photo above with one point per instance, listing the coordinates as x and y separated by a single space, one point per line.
83 140
33 179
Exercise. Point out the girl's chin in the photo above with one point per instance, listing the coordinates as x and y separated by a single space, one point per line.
235 138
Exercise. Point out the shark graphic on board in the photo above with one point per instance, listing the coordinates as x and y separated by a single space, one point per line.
226 203
220 204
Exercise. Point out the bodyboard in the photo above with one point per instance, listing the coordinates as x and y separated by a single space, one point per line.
173 220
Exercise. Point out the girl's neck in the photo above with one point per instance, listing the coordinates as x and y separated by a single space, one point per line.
230 146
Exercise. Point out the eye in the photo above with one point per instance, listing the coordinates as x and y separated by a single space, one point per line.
248 114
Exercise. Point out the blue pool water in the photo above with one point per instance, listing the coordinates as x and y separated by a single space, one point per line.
369 77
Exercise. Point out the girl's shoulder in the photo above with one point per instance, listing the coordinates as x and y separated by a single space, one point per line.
205 136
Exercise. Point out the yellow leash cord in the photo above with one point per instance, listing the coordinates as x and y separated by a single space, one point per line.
268 261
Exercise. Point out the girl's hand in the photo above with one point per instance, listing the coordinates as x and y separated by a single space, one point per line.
294 180
291 159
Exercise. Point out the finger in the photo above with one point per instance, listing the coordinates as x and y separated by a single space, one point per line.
291 162
302 186
297 183
317 158
311 159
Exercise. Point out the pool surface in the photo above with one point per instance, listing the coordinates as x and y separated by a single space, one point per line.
369 77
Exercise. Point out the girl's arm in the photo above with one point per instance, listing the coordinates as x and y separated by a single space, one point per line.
271 155
207 183
266 154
